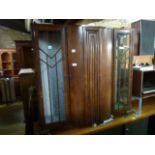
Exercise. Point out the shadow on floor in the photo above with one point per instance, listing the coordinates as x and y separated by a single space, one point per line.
12 119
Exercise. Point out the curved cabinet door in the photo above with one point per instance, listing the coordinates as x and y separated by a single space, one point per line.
98 74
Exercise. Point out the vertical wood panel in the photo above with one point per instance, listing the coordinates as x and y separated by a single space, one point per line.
136 44
91 66
76 80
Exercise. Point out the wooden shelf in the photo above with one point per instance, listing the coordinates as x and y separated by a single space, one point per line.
7 61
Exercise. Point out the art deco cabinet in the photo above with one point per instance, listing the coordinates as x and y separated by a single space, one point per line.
74 67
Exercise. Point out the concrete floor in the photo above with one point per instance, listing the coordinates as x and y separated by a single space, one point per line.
12 119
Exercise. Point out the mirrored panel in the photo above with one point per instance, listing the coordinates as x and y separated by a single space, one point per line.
51 68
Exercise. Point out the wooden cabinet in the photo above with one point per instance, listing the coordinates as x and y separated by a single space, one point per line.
7 62
25 54
144 37
85 89
74 68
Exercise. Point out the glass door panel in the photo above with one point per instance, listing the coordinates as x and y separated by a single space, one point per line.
122 70
51 68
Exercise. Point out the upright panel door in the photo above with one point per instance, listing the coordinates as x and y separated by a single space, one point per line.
97 74
50 73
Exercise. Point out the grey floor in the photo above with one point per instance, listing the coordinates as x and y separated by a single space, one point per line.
12 119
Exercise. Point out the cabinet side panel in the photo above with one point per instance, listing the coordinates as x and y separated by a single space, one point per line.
137 83
136 45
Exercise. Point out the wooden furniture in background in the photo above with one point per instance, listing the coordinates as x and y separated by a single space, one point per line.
8 62
25 54
7 90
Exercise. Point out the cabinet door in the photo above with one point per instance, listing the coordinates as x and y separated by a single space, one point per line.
97 74
50 69
90 48
123 70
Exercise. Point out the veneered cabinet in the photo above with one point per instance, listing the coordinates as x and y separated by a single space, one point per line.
74 68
